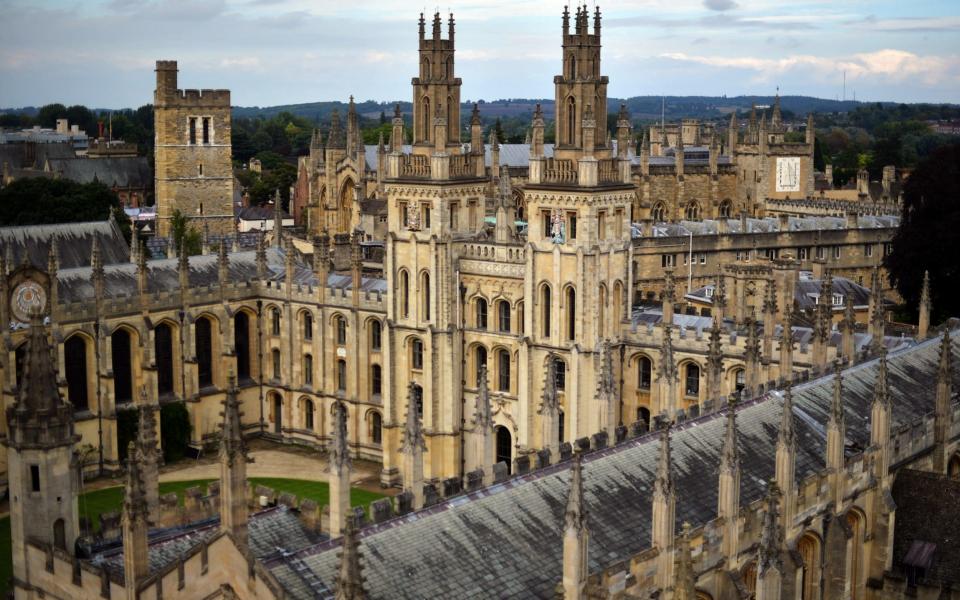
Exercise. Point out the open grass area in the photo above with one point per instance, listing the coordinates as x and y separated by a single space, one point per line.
92 504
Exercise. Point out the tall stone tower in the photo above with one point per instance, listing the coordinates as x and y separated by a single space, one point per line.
436 92
578 241
40 450
192 154
581 89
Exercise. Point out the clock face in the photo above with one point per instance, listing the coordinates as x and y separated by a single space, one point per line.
788 174
27 298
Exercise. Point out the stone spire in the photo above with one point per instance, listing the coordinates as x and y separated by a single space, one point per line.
769 312
848 327
607 391
664 512
576 536
786 456
536 142
667 375
786 349
752 358
233 468
942 416
340 467
336 137
836 436
728 494
714 363
482 432
923 324
623 132
668 297
684 578
823 317
769 553
135 523
277 220
261 257
223 263
349 583
776 119
413 446
732 133
494 151
876 312
396 135
550 411
147 453
880 419
720 298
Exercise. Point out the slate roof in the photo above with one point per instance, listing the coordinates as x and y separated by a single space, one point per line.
74 243
121 172
33 156
806 292
120 280
768 225
268 531
927 512
505 541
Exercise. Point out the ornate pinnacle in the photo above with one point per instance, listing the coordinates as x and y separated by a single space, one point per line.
664 481
836 405
669 287
715 347
606 385
550 401
339 449
349 581
575 516
232 445
720 295
684 577
135 496
413 430
668 367
849 315
946 356
925 291
770 534
730 455
770 298
881 390
787 435
482 417
475 115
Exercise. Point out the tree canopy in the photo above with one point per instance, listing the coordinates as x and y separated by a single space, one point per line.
928 234
39 201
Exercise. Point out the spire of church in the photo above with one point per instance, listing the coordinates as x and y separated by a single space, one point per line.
837 414
223 263
413 446
876 314
576 535
728 491
340 466
776 119
135 523
752 357
880 419
836 436
787 433
261 257
684 575
786 455
771 535
714 362
233 467
349 583
848 326
336 137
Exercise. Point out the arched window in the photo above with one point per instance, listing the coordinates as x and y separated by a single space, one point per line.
503 371
307 369
644 373
546 304
416 354
307 326
693 211
275 321
308 414
75 357
809 548
341 375
658 213
163 355
376 380
340 326
122 365
277 414
376 428
504 447
739 380
404 294
643 414
427 120
572 118
503 316
571 314
425 295
375 335
241 342
481 310
480 361
692 380
561 368
275 354
204 342
726 209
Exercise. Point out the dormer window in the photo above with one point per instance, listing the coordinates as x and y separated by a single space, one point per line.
708 291
838 299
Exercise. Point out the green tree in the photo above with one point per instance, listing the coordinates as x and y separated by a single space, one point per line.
47 115
928 229
183 235
38 201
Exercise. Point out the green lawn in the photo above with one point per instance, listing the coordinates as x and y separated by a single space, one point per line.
92 504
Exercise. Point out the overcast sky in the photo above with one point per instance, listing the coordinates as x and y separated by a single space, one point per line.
101 52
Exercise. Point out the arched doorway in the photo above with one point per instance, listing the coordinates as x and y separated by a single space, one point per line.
59 535
504 446
241 343
953 467
809 549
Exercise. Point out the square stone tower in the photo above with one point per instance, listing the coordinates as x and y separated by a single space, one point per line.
194 172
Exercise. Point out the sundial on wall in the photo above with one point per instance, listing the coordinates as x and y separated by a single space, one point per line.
28 297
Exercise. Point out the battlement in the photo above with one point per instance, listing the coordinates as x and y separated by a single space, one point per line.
204 98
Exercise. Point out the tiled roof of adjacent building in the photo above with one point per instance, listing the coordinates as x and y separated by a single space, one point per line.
74 243
121 172
505 540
